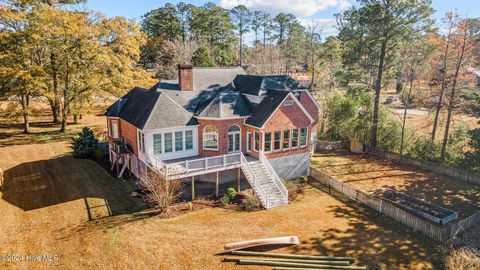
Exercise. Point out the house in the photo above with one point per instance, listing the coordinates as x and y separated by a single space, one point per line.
217 125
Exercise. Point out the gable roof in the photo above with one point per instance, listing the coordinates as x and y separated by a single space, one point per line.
262 112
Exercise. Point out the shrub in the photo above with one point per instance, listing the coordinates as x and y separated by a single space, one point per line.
230 196
85 145
250 203
424 149
302 179
463 259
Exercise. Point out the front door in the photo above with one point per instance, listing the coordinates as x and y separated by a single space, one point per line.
234 139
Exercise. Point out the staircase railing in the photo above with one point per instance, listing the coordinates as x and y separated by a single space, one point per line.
274 175
254 182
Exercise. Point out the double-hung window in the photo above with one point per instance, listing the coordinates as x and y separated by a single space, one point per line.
286 139
188 140
303 137
178 141
256 143
168 142
157 144
277 140
268 142
294 137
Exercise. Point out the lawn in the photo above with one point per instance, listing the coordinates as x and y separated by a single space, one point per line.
368 173
53 204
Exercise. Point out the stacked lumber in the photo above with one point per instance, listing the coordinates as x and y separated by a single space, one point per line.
292 261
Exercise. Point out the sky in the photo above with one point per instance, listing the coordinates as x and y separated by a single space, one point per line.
320 11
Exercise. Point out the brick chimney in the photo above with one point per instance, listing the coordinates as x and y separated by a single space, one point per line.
185 77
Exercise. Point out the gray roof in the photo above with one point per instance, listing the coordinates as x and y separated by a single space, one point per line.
218 93
260 85
146 109
208 78
225 105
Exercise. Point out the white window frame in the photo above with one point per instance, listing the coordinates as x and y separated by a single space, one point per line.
306 137
289 139
165 142
288 103
265 140
175 141
255 149
185 140
161 143
298 138
249 142
233 133
215 137
141 141
279 143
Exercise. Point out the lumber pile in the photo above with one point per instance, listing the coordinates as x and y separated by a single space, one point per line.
292 261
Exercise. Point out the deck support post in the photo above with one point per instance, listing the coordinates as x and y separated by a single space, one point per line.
193 188
216 185
238 180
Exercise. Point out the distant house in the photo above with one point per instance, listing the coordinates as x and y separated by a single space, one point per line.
217 125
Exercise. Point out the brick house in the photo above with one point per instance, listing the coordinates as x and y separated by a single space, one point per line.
217 125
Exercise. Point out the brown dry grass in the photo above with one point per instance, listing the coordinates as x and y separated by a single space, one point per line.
369 173
54 204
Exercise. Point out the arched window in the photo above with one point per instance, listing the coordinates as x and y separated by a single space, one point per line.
210 138
234 138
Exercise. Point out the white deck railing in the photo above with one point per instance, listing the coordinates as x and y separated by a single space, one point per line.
201 164
274 175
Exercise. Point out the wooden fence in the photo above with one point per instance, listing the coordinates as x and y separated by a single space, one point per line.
439 233
467 176
322 146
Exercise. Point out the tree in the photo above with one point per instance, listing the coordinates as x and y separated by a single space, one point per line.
464 41
163 192
281 24
242 18
267 25
163 21
314 36
378 28
85 145
201 58
257 20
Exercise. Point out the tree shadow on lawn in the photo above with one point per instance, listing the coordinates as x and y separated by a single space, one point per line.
375 240
44 183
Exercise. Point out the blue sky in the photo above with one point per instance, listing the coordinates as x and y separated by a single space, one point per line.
307 10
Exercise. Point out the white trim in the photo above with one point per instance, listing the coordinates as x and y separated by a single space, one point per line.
300 140
302 108
289 139
248 148
168 128
280 143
